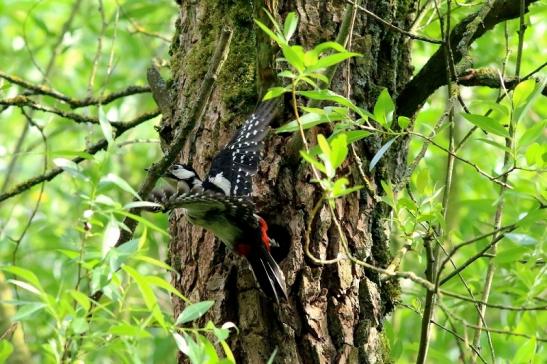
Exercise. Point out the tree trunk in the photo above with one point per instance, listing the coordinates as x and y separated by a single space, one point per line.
335 312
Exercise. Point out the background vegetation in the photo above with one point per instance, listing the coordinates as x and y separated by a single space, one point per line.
56 238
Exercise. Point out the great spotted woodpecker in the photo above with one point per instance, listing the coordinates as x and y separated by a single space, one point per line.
221 203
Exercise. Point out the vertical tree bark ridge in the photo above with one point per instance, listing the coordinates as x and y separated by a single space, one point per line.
335 312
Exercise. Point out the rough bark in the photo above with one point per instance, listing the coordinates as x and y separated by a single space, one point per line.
335 312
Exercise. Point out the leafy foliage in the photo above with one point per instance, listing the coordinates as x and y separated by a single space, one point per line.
58 244
506 150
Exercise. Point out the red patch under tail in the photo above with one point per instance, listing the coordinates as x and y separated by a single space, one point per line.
264 233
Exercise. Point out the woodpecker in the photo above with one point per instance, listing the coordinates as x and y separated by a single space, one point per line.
221 202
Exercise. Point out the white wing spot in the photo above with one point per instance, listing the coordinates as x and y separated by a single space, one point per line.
221 182
182 173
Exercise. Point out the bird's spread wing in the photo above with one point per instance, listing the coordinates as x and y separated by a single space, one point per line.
232 168
207 203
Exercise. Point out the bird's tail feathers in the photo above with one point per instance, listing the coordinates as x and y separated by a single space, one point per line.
268 274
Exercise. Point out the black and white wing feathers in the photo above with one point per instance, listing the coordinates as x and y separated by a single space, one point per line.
206 204
233 167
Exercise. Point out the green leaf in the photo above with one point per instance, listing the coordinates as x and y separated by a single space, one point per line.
270 34
26 286
162 283
355 135
291 22
294 55
533 154
25 274
208 349
272 357
106 127
339 150
70 167
194 311
487 124
286 74
146 292
495 144
150 260
526 352
383 109
324 145
496 106
274 92
327 95
27 311
110 236
403 122
79 325
81 298
6 348
274 22
322 47
308 158
380 154
70 254
523 109
531 134
521 239
330 60
129 330
143 221
510 255
422 180
523 91
311 119
229 355
72 153
120 182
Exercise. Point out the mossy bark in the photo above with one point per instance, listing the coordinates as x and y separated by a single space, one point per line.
335 312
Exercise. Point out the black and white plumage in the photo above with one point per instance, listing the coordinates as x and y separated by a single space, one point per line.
221 203
185 177
234 166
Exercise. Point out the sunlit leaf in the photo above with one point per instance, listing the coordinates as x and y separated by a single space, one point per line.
274 92
25 274
129 330
291 22
106 127
308 158
383 109
523 91
339 150
330 60
194 311
27 311
110 236
6 348
487 124
120 182
82 299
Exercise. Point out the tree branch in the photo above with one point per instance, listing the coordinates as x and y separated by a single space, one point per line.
433 74
102 144
74 103
489 77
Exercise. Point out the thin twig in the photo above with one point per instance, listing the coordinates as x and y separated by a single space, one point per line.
394 27
93 149
455 334
74 103
493 305
504 229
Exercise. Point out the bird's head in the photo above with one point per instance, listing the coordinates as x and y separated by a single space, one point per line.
184 175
